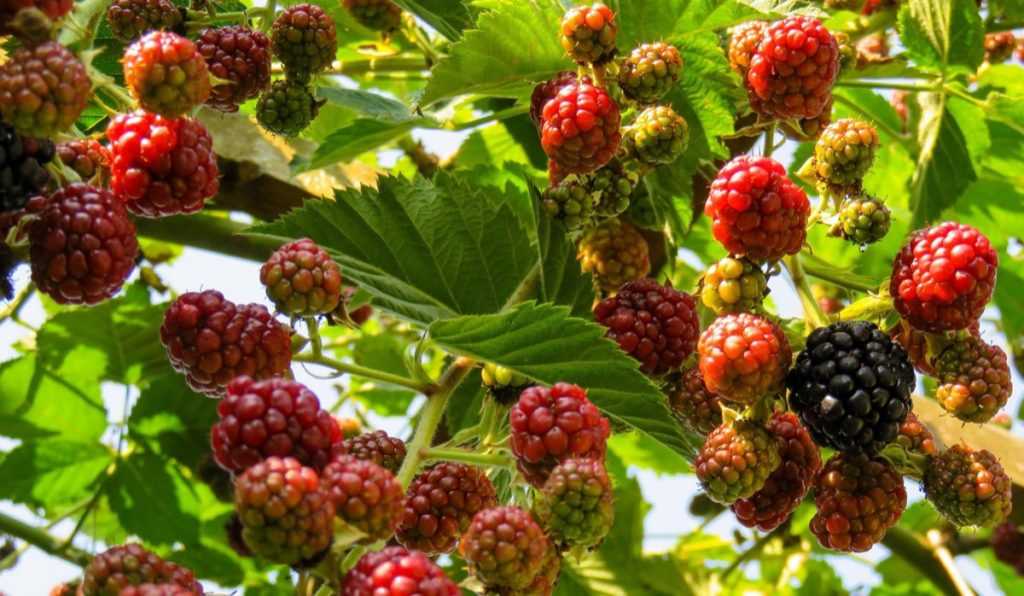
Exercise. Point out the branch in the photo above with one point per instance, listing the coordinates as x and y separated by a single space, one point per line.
365 372
912 549
44 541
812 310
497 460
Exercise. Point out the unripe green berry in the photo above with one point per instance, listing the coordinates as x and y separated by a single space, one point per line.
845 152
658 136
733 285
863 220
650 71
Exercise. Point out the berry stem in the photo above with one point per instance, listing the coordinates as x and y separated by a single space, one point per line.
882 84
746 555
44 541
812 310
938 543
769 140
493 117
270 11
837 278
363 371
418 37
430 417
497 460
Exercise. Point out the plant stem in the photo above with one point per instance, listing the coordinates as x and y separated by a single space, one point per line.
744 556
812 310
769 140
499 115
836 278
431 416
43 541
912 549
498 460
938 544
270 11
11 310
883 84
525 289
365 372
401 63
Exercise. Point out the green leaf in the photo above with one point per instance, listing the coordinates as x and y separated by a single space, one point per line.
350 141
820 580
52 473
371 105
37 401
173 420
944 167
939 34
514 44
449 17
644 453
147 493
424 251
562 281
709 93
382 352
546 344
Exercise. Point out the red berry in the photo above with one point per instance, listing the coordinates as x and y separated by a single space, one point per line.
943 277
743 357
161 166
365 496
82 245
743 41
589 32
693 405
1008 545
305 40
241 57
377 447
439 505
272 417
858 498
129 19
396 571
211 341
915 436
166 73
89 159
550 425
54 9
131 565
43 89
547 90
655 324
302 279
159 590
756 210
793 69
505 548
788 484
580 129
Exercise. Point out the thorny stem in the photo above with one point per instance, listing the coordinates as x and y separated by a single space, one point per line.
498 460
363 371
43 540
812 310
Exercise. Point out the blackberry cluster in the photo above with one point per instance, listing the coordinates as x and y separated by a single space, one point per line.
650 71
377 447
365 496
692 403
743 357
547 90
851 386
302 279
23 172
858 498
240 56
588 34
129 19
736 460
395 571
974 379
440 503
166 74
43 89
614 253
287 107
653 323
132 565
968 487
733 285
657 136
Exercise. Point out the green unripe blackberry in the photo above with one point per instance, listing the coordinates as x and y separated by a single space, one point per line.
286 108
862 220
571 201
844 152
658 136
733 285
614 253
650 71
577 504
614 184
588 33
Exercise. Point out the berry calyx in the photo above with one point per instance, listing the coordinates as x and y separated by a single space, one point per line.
580 128
974 379
743 41
129 19
377 447
653 323
23 172
379 15
793 69
302 279
286 512
504 548
851 387
549 425
576 505
862 220
844 153
240 56
305 40
736 460
968 487
287 107
657 136
82 245
87 157
692 403
858 498
132 565
649 71
743 357
944 277
43 89
211 340
440 503
365 495
161 166
588 34
394 571
785 488
258 419
614 253
733 285
166 74
756 210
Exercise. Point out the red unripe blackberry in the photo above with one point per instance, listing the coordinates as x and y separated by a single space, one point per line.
793 69
655 324
547 90
736 460
743 41
53 9
614 253
161 166
131 565
286 513
305 40
395 571
650 71
743 357
915 436
580 128
588 33
166 73
365 495
378 447
23 173
692 403
756 210
439 505
969 487
379 15
271 417
858 499
999 46
240 56
1008 545
129 19
159 590
302 279
943 277
785 488
550 425
43 89
359 315
974 379
504 548
82 245
87 157
211 341
577 504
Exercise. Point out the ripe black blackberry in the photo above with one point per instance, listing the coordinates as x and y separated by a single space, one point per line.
22 168
851 387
